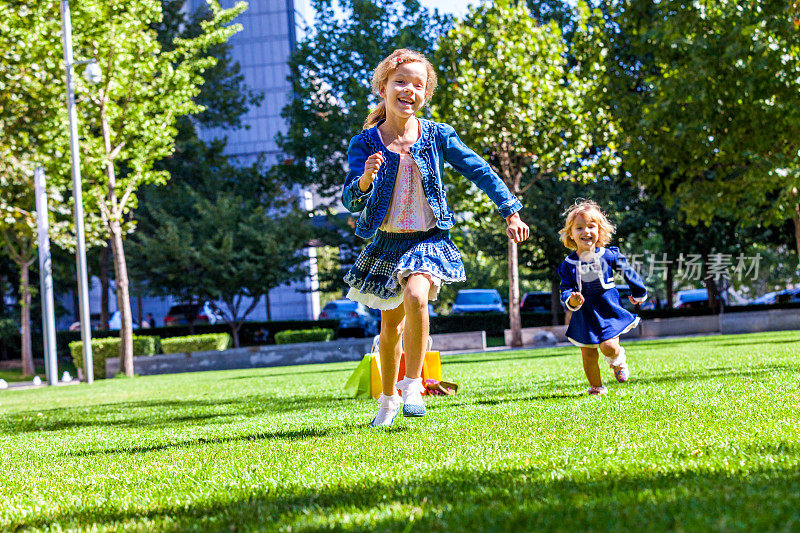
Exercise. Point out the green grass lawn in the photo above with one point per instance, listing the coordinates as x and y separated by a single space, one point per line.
704 437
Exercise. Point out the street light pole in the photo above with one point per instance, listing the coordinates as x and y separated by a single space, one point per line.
77 195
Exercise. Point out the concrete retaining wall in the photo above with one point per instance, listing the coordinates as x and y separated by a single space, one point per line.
280 355
752 322
771 320
693 325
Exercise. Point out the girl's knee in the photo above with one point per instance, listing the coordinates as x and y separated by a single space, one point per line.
417 290
610 347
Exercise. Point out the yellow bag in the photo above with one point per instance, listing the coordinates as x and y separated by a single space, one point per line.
375 375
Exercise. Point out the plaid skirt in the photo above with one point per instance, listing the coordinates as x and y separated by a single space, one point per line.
378 278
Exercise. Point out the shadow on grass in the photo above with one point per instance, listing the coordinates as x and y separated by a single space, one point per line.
431 406
711 373
158 413
458 500
295 435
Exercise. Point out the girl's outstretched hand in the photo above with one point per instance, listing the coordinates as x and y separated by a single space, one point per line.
517 230
371 166
576 300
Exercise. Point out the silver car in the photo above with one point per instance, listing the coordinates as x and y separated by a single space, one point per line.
351 316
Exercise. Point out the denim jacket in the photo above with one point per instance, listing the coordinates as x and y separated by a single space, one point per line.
437 143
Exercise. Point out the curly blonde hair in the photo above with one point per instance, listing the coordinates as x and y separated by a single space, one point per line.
590 211
385 69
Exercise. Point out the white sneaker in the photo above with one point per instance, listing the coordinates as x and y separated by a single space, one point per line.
413 404
390 407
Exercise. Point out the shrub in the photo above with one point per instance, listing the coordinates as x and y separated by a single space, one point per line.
196 343
290 336
103 349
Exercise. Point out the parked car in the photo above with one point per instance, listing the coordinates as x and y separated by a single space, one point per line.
535 302
352 316
768 298
788 296
478 301
184 314
115 322
94 323
693 298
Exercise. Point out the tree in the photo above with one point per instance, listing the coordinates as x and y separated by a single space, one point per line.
708 96
131 118
225 98
29 117
228 239
331 73
508 89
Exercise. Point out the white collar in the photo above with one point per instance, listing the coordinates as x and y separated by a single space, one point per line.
600 251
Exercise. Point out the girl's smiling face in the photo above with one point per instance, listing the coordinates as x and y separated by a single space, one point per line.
404 90
585 232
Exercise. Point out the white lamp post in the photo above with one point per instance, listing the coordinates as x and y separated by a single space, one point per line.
92 75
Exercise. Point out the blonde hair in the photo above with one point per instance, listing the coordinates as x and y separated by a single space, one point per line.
385 69
590 211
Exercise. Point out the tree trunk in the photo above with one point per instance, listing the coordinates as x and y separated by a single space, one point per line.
266 301
123 300
105 255
3 347
555 300
235 327
513 295
713 293
796 220
25 316
670 284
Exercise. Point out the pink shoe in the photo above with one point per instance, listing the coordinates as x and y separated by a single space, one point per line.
621 372
597 391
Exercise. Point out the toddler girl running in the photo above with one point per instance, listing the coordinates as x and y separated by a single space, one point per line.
588 290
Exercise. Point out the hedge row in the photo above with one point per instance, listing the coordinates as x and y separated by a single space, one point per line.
108 347
103 349
196 343
290 336
249 332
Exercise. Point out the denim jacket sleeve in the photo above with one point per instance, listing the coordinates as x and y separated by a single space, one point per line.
353 198
477 170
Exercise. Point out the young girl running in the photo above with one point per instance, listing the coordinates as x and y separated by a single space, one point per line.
587 288
395 182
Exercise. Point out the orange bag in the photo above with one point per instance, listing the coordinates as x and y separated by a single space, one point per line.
431 367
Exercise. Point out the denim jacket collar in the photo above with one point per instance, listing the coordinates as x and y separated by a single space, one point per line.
426 137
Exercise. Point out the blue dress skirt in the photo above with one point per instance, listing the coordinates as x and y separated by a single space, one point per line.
379 275
600 318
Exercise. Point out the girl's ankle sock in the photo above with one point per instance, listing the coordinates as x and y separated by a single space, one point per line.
412 388
390 406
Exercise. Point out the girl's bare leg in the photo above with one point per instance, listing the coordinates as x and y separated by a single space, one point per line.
417 330
389 347
590 366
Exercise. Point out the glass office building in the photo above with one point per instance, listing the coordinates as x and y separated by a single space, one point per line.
262 50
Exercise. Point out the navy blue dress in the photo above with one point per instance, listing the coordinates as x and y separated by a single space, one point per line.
601 317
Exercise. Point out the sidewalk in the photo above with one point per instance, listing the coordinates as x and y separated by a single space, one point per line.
25 385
